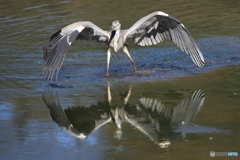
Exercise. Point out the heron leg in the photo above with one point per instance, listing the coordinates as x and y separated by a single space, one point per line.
109 92
128 96
108 61
125 50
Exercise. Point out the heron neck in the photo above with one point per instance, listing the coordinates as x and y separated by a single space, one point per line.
113 43
117 34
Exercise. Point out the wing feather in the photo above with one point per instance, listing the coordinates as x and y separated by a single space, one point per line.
159 26
61 41
188 108
185 111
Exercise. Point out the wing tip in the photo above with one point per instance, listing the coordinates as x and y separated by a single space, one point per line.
201 63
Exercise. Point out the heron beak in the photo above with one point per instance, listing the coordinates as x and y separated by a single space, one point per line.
112 28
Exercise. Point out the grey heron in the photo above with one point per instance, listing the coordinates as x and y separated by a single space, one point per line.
149 30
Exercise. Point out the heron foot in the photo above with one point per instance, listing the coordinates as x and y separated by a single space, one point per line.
135 68
144 73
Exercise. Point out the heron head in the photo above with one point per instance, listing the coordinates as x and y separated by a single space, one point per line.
115 25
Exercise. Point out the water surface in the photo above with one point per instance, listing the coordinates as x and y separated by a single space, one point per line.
193 110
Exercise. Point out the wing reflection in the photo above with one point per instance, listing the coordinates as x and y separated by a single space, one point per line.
150 116
78 121
183 113
166 120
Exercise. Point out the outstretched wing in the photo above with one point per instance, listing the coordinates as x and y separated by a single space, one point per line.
61 40
159 26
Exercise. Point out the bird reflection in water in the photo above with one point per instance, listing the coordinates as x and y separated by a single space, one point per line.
149 116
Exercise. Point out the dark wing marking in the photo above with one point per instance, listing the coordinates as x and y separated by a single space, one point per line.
56 111
62 39
79 121
160 26
88 34
58 115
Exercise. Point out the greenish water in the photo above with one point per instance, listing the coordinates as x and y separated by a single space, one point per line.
195 110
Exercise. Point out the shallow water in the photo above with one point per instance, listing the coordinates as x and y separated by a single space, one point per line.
193 110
